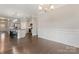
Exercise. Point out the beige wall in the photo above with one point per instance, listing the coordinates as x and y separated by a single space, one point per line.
62 25
3 25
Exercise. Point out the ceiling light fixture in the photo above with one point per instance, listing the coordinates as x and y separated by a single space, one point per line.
46 7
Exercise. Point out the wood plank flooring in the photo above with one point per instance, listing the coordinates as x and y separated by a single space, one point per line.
33 45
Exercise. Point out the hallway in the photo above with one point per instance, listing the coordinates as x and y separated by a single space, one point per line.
32 45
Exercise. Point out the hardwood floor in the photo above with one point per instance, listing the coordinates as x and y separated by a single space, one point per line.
33 45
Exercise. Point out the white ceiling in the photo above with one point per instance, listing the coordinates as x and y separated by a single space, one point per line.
20 10
13 10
